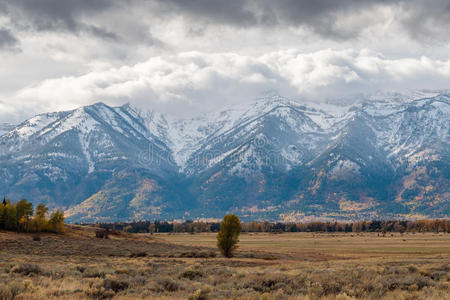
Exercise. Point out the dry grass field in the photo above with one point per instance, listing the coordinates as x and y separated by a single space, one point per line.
76 265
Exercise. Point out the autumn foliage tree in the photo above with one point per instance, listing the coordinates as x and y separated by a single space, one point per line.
228 235
40 217
56 221
24 213
18 216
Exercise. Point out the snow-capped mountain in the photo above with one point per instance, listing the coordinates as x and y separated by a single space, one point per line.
379 156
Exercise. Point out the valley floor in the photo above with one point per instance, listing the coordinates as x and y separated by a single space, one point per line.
76 265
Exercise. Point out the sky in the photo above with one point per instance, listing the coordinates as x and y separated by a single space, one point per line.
186 57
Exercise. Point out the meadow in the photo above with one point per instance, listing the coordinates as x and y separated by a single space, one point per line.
77 265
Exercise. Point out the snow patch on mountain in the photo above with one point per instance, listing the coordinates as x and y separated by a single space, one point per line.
403 125
344 168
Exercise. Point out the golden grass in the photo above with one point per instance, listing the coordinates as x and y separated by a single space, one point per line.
337 245
77 265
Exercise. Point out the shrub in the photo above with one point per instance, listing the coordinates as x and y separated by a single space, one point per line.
191 274
115 284
266 282
106 288
93 273
331 287
169 285
201 254
228 235
412 269
138 280
97 290
101 234
26 269
122 271
201 294
139 254
10 290
391 282
344 296
81 269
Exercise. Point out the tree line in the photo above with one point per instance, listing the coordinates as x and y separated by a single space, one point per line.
438 225
21 217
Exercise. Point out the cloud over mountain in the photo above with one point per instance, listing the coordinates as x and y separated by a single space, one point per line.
200 81
199 54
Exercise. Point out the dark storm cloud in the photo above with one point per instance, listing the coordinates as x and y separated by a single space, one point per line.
229 12
427 20
422 19
81 17
7 40
319 15
57 15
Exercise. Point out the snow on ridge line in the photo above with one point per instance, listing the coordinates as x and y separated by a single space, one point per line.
34 124
184 136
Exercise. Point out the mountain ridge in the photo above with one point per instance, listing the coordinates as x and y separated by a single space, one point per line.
275 158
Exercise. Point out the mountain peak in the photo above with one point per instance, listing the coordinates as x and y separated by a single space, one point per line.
98 104
370 157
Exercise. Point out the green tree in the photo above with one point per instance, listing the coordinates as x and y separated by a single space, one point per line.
56 222
8 215
10 219
3 214
228 235
40 217
24 212
18 216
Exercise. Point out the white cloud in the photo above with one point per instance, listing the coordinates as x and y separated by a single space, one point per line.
68 50
190 82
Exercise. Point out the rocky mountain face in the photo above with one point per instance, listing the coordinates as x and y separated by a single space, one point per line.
381 156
